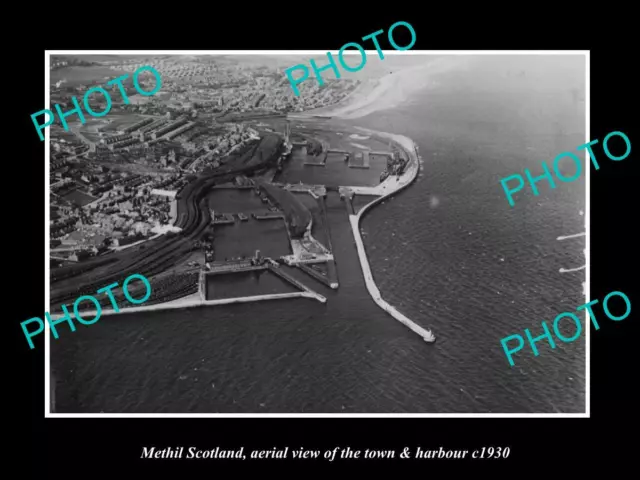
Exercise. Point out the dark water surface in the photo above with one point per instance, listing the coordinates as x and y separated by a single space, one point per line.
448 252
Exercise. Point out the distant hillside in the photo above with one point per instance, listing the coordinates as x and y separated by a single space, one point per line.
62 61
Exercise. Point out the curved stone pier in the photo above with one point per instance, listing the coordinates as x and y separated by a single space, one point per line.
386 189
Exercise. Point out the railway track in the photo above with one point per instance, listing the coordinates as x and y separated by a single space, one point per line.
157 255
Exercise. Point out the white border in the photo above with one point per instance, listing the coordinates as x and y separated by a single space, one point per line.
47 411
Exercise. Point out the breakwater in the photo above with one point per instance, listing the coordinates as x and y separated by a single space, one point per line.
199 299
403 181
196 301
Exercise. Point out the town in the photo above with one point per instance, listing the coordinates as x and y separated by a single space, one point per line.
114 180
363 57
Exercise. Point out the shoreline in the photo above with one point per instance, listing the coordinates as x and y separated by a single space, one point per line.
380 93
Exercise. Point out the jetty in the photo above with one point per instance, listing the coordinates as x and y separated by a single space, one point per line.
326 280
288 278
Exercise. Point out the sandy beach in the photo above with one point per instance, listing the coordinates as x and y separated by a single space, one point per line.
381 91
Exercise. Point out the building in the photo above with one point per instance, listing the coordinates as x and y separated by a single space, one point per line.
79 255
164 193
138 99
138 125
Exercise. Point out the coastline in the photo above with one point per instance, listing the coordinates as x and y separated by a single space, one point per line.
381 93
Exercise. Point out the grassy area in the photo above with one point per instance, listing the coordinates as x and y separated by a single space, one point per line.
79 198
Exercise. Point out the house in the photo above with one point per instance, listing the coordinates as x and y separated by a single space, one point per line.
69 241
79 255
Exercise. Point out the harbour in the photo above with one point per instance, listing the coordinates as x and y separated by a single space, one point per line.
437 254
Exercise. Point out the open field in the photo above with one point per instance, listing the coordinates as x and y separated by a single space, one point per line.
79 198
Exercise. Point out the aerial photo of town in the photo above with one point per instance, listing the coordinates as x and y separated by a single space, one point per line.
244 205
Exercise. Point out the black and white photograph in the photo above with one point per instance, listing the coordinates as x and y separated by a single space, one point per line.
252 242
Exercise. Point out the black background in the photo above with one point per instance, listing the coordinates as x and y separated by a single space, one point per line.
86 448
